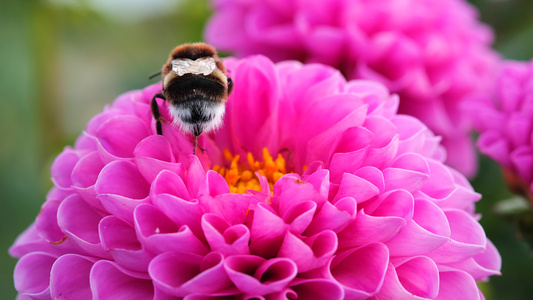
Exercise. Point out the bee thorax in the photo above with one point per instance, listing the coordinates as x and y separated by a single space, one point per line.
197 116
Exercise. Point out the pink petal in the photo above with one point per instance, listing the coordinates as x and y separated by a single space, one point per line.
121 188
46 222
267 231
457 285
317 289
358 188
119 239
409 180
69 278
292 187
258 72
79 222
195 175
109 281
322 146
333 217
315 252
495 146
118 137
368 229
159 234
84 176
122 178
180 211
231 207
180 274
466 240
349 162
154 154
361 271
419 276
32 275
30 241
62 168
522 160
382 157
224 238
168 182
257 276
428 230
397 203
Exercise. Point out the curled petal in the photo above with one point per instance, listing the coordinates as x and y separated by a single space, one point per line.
457 285
292 187
180 211
357 187
419 276
367 229
62 168
226 239
168 182
428 230
180 274
382 157
159 234
349 162
317 289
118 238
79 222
109 281
397 203
255 275
361 271
315 252
231 207
32 275
334 217
267 231
120 188
466 240
118 137
410 180
152 155
84 176
46 222
122 178
69 278
495 146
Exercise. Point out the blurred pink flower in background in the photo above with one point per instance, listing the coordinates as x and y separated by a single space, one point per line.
432 53
357 204
505 123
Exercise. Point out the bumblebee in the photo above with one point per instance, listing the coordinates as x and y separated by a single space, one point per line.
196 87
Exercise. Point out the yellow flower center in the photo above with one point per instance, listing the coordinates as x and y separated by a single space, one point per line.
241 178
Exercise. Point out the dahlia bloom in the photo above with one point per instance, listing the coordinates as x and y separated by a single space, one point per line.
505 123
355 203
432 53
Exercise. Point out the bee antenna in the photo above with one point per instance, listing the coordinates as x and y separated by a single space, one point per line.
154 75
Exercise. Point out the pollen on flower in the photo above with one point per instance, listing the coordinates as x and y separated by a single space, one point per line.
241 177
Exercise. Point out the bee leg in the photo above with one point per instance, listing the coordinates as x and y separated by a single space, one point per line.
156 113
230 86
195 144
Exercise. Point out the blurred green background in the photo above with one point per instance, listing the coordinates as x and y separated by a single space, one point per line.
61 61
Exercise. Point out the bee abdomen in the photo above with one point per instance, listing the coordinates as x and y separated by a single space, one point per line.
197 114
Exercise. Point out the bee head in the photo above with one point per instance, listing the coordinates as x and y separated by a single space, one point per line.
194 59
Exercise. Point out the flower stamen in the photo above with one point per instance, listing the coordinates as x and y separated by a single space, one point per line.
241 178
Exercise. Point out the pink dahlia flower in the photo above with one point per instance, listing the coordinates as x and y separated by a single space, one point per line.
432 53
356 204
505 123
